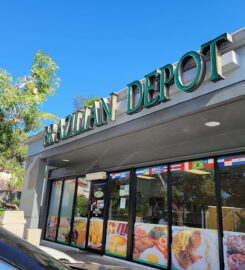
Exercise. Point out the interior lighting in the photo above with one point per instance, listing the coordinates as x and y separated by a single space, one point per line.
198 172
65 160
145 177
212 124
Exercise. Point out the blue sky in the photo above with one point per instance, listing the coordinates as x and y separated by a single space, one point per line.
101 46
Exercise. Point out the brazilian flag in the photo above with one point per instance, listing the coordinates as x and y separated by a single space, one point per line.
197 164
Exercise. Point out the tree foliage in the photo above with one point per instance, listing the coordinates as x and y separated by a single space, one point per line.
80 102
192 191
81 206
20 111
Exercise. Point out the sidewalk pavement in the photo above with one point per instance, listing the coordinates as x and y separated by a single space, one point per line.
92 261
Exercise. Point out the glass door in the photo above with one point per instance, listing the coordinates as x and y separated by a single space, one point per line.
96 216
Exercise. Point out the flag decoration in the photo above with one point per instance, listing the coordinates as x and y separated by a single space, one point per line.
120 175
231 161
197 164
57 183
175 167
81 180
70 181
192 165
152 170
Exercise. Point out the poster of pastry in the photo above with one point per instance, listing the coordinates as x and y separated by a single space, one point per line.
194 249
51 227
234 250
95 233
64 230
150 244
116 239
78 235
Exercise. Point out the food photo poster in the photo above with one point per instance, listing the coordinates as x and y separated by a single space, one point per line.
194 248
117 237
78 235
150 244
64 230
51 227
234 250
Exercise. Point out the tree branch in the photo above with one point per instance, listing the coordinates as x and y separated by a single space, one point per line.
13 119
26 82
9 205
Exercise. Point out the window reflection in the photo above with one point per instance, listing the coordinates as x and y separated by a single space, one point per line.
119 196
195 241
6 266
232 181
81 212
193 193
150 231
117 227
51 226
66 211
151 200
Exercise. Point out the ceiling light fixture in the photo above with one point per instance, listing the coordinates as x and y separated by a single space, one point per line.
65 160
198 172
145 177
212 124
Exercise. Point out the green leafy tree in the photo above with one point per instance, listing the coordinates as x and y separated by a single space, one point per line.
81 206
20 114
80 102
192 191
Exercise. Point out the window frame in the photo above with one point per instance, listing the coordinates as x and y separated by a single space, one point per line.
132 205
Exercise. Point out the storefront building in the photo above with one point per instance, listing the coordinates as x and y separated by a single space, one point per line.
155 173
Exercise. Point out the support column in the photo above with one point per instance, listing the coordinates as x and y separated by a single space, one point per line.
45 203
32 191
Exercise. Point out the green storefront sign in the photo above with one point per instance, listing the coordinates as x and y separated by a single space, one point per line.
153 90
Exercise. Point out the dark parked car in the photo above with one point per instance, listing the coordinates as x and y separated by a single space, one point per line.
16 253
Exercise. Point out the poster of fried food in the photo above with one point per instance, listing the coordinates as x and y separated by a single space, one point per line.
51 227
234 250
150 244
194 249
95 233
64 230
116 239
78 235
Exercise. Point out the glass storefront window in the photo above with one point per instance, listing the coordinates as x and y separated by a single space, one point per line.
194 214
117 228
81 213
150 231
51 226
232 181
195 242
66 211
